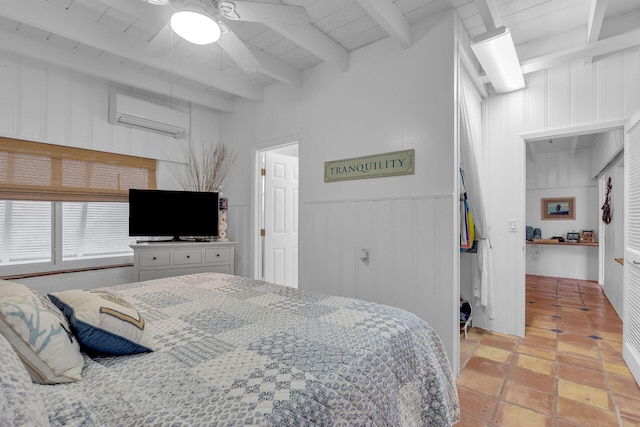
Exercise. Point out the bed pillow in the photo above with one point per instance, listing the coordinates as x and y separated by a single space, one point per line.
39 334
103 322
19 404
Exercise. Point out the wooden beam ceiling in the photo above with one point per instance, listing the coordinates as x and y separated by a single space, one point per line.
594 24
488 11
63 23
389 17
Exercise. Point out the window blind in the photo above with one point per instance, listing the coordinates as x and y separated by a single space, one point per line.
38 171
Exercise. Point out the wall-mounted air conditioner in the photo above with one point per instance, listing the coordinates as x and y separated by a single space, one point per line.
127 111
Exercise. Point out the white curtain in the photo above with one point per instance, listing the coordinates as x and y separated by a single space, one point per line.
470 104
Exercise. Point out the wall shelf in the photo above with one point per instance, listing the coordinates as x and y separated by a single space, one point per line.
556 243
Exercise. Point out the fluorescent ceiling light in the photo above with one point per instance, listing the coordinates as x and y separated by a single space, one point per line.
193 24
497 55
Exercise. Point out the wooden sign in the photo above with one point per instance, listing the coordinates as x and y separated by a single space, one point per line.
376 166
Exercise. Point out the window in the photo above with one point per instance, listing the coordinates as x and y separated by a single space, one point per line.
65 208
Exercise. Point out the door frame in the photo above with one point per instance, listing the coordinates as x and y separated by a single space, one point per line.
590 128
255 239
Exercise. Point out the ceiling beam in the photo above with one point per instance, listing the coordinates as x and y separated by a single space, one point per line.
574 146
389 17
64 23
601 47
315 41
594 24
294 23
488 11
279 70
596 18
114 72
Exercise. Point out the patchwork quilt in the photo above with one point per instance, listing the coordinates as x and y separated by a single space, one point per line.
234 351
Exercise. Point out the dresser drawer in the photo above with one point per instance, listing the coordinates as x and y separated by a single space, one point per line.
152 258
187 256
217 255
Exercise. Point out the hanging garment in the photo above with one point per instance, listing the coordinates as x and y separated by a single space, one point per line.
606 207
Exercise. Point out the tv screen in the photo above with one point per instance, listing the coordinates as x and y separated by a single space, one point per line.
179 214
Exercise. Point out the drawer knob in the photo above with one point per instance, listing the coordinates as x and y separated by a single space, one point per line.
217 255
154 258
188 256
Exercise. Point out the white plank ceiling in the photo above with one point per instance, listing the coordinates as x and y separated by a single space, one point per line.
116 39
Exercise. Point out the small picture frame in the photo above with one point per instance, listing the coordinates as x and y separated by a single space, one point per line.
558 208
587 236
573 237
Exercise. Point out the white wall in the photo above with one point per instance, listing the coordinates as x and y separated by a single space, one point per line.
50 104
390 99
612 237
566 95
556 174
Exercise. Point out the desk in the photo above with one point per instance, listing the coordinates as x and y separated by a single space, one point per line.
556 243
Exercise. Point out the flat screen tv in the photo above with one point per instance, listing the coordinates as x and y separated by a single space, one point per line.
182 215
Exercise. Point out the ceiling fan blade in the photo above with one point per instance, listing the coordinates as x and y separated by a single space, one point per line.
239 52
262 12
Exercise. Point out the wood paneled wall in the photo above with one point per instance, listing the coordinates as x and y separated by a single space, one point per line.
411 254
568 95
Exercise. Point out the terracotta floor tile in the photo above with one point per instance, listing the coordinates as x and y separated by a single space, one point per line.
610 346
630 422
624 386
535 364
579 349
466 346
584 394
609 336
544 333
617 369
512 415
496 354
529 378
567 371
628 406
529 398
488 367
580 361
612 356
476 404
497 341
479 382
578 340
469 421
585 415
540 352
583 376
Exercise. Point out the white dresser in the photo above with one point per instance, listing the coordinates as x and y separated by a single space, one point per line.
157 260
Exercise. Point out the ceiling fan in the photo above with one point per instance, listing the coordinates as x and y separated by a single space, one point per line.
212 15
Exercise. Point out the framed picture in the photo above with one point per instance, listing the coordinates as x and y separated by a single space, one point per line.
573 236
558 208
587 236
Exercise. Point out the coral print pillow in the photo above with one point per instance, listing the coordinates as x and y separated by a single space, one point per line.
39 334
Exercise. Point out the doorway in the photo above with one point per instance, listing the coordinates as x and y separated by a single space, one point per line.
277 201
577 162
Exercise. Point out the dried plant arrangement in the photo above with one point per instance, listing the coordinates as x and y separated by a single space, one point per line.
204 171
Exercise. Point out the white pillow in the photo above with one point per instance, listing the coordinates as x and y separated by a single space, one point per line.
40 335
104 322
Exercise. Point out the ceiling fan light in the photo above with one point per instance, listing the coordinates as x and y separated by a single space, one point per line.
195 26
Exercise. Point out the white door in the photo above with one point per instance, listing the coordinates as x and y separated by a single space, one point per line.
631 316
281 219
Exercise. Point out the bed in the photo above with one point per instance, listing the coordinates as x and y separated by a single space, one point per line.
235 351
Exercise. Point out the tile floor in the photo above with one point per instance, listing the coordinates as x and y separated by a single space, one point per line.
567 371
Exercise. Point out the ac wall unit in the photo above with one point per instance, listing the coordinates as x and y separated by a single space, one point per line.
127 111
